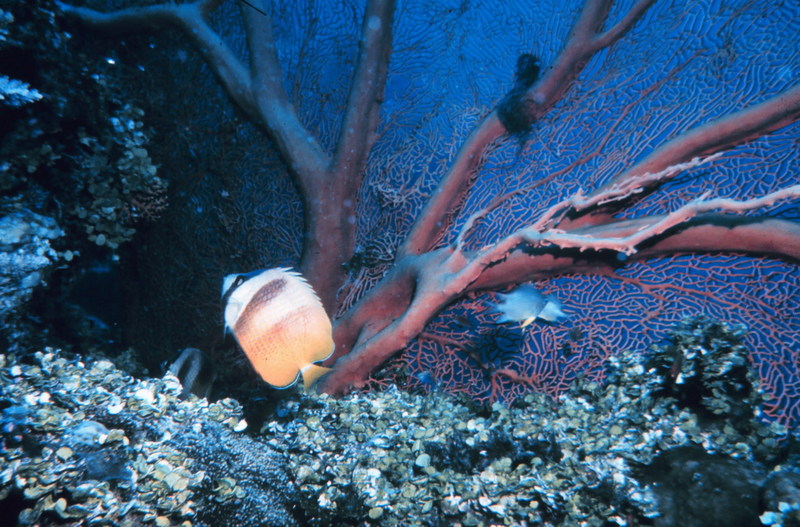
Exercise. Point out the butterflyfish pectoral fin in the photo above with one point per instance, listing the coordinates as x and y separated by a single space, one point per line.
311 374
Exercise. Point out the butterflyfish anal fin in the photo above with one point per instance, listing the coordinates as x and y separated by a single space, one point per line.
311 374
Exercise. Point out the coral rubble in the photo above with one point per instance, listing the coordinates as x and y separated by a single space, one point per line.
85 444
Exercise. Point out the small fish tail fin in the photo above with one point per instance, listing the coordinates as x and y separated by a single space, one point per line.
311 373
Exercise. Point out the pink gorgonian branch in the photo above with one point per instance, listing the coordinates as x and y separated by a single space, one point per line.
328 182
700 142
257 90
655 227
585 39
428 282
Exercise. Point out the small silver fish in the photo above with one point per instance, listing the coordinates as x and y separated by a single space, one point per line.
526 304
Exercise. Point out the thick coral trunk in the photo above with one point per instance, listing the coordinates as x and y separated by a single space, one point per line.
328 240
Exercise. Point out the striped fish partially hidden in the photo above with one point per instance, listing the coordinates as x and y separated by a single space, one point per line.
280 323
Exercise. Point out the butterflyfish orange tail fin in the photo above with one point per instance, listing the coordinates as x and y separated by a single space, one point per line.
311 373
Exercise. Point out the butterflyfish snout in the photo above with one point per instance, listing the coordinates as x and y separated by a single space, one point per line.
526 304
280 323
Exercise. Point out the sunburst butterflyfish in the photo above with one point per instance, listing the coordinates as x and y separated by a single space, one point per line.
526 304
279 322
